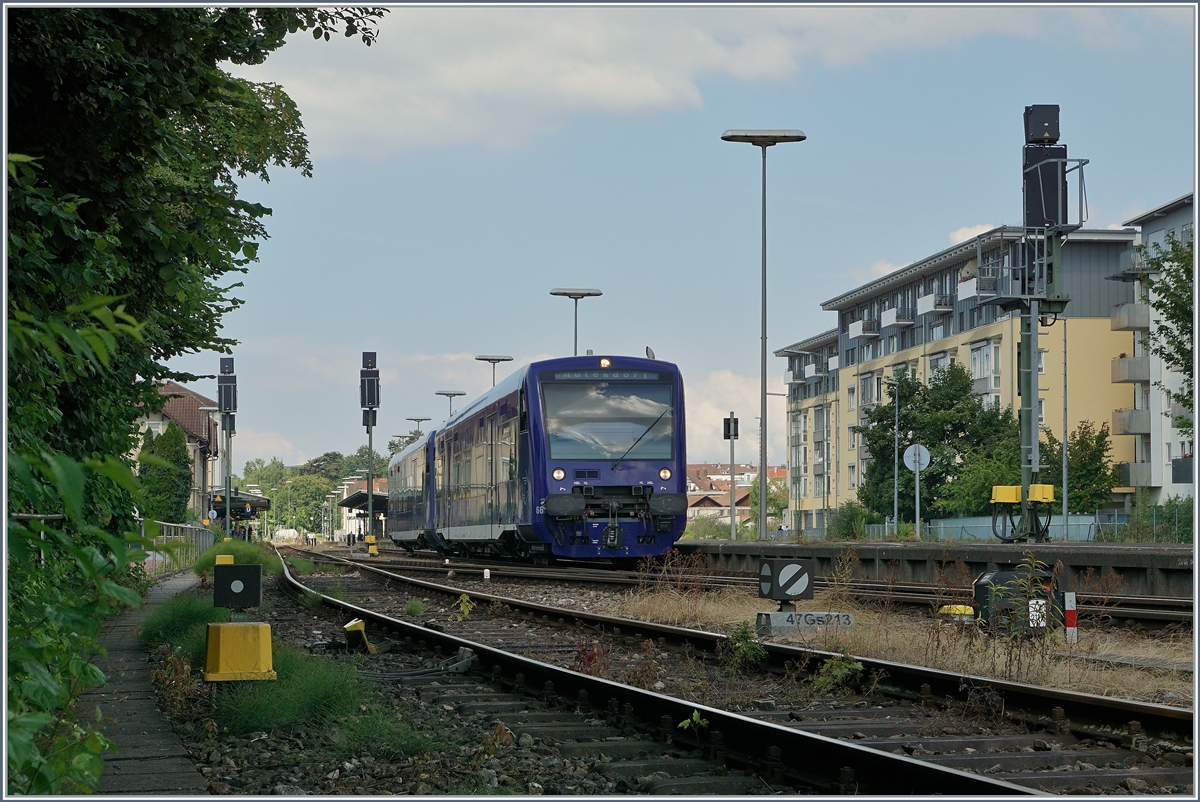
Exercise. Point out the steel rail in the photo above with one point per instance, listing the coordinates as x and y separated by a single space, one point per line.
1088 715
818 761
1138 608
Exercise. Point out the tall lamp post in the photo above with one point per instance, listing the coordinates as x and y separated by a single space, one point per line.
227 405
418 421
763 139
575 294
368 388
493 360
451 394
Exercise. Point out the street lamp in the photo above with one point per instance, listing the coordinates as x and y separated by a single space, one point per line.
418 421
764 140
575 294
451 394
493 360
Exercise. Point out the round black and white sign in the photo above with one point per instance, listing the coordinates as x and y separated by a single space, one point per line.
793 579
764 579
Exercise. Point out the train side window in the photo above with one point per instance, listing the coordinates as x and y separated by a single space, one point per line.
523 412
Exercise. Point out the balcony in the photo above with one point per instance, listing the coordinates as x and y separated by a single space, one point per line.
791 377
1180 411
897 318
1131 421
1181 470
984 386
1130 317
818 469
1133 474
864 328
832 363
977 288
935 304
815 370
818 434
1130 369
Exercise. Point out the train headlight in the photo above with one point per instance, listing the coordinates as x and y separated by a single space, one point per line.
559 474
664 474
605 362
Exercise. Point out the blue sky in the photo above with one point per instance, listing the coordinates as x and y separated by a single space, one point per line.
475 158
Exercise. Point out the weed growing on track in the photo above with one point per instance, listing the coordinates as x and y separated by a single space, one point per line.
465 606
381 732
182 622
415 607
309 689
311 599
300 566
741 650
592 658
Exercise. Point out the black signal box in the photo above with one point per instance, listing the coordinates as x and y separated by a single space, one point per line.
731 428
237 586
1041 125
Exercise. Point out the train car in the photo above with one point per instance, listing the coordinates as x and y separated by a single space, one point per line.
410 513
580 457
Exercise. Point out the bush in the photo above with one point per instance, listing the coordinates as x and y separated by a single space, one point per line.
414 607
183 621
849 521
310 689
243 554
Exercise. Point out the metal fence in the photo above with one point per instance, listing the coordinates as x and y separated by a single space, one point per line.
176 546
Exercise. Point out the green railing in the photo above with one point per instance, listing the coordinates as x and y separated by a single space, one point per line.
177 546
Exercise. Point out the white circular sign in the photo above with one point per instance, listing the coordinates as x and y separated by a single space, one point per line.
916 457
792 584
236 586
212 513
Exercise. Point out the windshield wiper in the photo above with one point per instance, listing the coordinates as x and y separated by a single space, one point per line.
643 434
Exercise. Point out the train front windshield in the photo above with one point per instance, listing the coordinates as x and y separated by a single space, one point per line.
609 415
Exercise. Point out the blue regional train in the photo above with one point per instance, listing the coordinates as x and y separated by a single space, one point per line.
581 457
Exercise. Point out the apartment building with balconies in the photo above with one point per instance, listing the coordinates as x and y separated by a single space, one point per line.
936 312
813 448
1161 458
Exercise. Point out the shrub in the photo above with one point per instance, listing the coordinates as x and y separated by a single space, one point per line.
183 621
414 607
849 521
310 689
741 649
243 554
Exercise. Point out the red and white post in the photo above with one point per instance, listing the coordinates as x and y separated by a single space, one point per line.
1069 616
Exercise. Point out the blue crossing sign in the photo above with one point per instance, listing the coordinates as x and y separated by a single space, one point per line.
785 580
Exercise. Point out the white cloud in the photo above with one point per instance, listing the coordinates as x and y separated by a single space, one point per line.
967 232
501 76
709 401
250 444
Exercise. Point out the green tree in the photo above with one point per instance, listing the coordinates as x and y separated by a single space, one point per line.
330 466
356 463
946 417
124 224
777 501
1173 296
267 475
167 482
1091 474
398 444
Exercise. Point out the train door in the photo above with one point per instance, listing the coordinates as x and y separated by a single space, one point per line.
493 506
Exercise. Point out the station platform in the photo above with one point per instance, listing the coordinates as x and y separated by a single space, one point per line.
1144 569
150 759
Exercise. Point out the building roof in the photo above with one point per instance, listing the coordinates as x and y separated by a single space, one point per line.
1161 211
951 255
184 409
358 501
811 344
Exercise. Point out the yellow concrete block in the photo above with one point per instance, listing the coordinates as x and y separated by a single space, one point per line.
228 539
956 609
224 559
1006 494
372 550
239 651
1041 493
369 539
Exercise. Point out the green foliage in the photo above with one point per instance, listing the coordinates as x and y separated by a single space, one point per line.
300 566
741 649
356 463
1091 475
947 418
267 475
1172 294
704 527
167 481
838 674
694 723
849 521
124 223
310 689
243 554
414 607
381 732
307 494
182 621
777 500
465 606
1169 522
398 444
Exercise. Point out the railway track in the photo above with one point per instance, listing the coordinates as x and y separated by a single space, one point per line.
1155 610
1007 736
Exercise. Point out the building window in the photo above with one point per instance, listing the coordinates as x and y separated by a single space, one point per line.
851 398
996 370
879 388
1041 361
937 331
851 437
1041 407
853 475
981 361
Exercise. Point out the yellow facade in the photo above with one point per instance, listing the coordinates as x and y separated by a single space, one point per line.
1091 346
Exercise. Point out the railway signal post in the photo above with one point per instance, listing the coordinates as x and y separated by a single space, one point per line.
227 406
368 390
